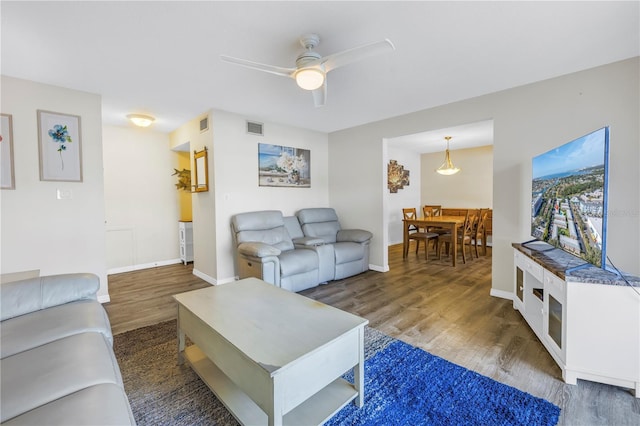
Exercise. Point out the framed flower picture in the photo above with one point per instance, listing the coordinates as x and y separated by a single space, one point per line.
283 166
7 180
60 147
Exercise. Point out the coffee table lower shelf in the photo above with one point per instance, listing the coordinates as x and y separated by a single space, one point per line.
315 410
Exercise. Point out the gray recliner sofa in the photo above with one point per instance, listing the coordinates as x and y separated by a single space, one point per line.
266 250
277 249
57 361
350 246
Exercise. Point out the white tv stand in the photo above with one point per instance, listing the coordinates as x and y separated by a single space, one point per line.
588 319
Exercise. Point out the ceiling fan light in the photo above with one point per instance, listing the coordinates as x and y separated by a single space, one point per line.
141 120
309 78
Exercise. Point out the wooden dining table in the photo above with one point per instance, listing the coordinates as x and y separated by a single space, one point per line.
452 223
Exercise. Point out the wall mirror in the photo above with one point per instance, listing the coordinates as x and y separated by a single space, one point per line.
201 171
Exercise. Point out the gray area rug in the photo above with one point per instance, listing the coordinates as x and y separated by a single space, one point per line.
163 393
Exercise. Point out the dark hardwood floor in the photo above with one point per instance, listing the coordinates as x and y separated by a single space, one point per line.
145 297
444 310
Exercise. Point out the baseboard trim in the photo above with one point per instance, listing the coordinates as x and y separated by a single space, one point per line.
378 268
205 277
104 298
142 266
227 280
501 294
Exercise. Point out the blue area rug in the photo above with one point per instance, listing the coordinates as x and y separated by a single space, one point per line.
405 385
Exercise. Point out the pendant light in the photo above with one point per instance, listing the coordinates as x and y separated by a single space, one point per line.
447 168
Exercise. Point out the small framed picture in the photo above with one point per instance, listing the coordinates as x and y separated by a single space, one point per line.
60 147
6 152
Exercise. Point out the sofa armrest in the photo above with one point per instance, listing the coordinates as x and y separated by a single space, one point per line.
308 242
257 249
33 294
354 235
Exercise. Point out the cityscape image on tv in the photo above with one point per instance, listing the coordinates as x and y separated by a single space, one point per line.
568 196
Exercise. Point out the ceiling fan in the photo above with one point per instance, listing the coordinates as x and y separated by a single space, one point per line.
311 69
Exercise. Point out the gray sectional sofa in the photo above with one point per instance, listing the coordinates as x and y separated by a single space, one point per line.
298 252
58 365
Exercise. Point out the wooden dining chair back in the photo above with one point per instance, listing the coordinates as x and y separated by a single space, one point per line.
463 237
419 234
432 210
479 231
488 224
410 214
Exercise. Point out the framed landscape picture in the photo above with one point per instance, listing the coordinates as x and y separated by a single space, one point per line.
6 152
60 147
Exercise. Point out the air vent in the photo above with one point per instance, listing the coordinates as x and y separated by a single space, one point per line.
255 128
204 124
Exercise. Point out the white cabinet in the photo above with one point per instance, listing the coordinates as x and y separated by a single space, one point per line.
529 291
588 320
185 230
554 316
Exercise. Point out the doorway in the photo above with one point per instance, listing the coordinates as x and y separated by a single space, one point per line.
471 149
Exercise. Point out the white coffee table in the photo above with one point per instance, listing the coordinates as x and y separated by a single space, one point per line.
271 356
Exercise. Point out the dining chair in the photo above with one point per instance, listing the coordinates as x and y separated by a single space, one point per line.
434 210
479 231
463 237
418 234
488 224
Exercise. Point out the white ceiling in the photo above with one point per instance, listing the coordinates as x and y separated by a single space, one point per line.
163 58
464 136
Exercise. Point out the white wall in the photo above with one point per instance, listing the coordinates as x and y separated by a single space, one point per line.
203 206
38 230
471 187
233 180
141 207
358 183
527 120
409 196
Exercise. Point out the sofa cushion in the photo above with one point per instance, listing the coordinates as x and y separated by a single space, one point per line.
325 230
293 227
319 222
104 404
256 249
21 297
298 261
255 221
44 374
354 235
40 327
348 252
317 214
264 227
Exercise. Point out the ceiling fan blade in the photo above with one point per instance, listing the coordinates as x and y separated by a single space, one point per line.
355 54
272 69
320 95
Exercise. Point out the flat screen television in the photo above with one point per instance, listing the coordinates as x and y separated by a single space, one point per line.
569 197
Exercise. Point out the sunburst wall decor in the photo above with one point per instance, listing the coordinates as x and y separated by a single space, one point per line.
397 176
